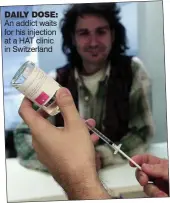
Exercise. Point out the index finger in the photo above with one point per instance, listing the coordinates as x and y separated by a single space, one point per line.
145 158
32 118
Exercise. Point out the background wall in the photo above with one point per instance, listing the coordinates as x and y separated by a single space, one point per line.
129 17
151 51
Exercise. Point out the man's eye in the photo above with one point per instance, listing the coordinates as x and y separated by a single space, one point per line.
83 33
101 32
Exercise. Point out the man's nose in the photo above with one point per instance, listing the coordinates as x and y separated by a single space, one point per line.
93 40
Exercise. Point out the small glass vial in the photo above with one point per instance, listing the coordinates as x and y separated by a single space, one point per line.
37 86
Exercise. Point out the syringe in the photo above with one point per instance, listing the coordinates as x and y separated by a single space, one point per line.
111 144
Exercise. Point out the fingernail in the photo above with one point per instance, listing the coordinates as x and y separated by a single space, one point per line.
64 92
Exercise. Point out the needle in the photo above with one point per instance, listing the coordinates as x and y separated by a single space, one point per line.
110 143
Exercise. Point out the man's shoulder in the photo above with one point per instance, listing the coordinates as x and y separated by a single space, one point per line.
138 66
63 71
141 78
63 74
64 68
124 59
59 71
134 61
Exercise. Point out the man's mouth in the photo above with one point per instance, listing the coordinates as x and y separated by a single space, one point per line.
94 52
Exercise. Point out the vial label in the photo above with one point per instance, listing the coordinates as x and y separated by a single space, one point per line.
37 86
39 83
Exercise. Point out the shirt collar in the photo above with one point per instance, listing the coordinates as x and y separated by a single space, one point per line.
105 78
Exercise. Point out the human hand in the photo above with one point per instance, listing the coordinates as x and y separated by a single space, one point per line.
98 161
153 168
67 152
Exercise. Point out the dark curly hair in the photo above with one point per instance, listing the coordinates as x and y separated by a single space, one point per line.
109 11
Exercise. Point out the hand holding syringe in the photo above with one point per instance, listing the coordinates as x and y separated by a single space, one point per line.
114 146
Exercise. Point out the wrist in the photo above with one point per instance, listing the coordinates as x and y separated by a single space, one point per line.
88 190
84 187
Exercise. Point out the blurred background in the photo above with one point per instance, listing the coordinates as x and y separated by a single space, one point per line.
144 24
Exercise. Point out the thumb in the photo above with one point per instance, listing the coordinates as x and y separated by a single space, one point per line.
67 107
